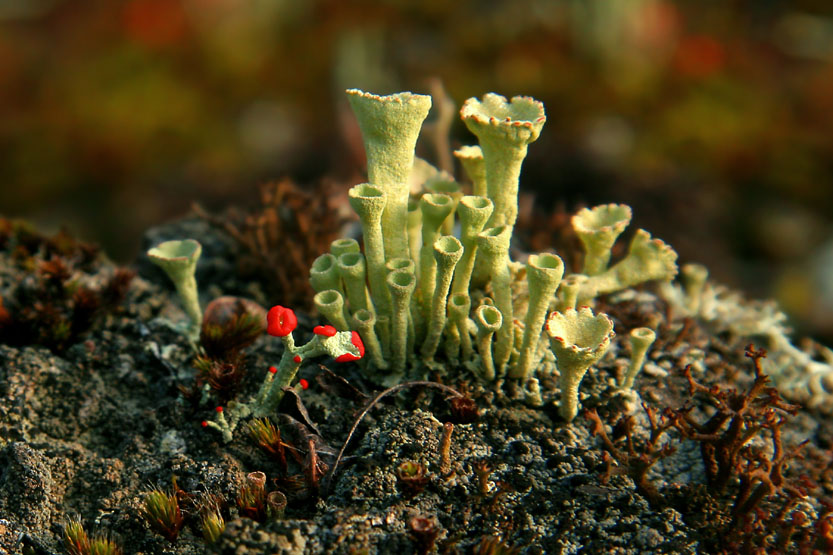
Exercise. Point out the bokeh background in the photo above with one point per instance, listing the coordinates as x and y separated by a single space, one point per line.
714 121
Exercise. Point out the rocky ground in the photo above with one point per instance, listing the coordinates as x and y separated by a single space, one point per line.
93 415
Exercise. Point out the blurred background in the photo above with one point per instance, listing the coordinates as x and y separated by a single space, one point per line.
715 124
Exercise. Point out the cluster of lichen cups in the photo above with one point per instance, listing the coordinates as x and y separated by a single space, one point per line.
417 286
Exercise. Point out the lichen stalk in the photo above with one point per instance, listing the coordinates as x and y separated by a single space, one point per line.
568 291
641 340
414 230
459 306
287 370
493 250
401 284
323 274
445 184
647 259
435 208
330 304
368 202
543 274
489 320
365 323
353 271
332 343
447 252
473 211
693 277
390 126
416 324
471 158
504 130
383 333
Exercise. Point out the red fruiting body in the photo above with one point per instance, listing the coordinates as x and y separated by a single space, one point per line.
356 340
281 321
326 331
304 384
219 409
273 370
297 359
204 424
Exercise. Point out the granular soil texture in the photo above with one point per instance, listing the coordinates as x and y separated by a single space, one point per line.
89 424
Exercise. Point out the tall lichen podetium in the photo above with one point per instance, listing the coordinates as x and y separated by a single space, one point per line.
504 130
447 253
489 320
474 212
401 284
471 158
493 252
390 126
179 260
543 275
369 203
435 208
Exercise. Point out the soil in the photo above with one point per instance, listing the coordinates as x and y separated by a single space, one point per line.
87 430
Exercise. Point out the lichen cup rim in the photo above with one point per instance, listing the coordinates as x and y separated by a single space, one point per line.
181 249
495 109
604 217
400 97
580 338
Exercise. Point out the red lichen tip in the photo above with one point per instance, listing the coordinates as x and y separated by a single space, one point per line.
357 342
273 370
219 409
297 359
204 424
327 331
304 384
281 321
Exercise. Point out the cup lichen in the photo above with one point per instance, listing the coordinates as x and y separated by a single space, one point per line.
178 259
464 293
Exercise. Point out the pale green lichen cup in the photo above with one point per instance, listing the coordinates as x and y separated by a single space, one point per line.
179 259
598 228
578 339
504 129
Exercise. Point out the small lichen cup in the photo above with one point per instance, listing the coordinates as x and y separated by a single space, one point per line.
489 320
178 259
641 340
598 228
578 339
447 253
368 202
471 158
543 274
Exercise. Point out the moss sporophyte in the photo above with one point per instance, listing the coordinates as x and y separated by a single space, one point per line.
416 291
